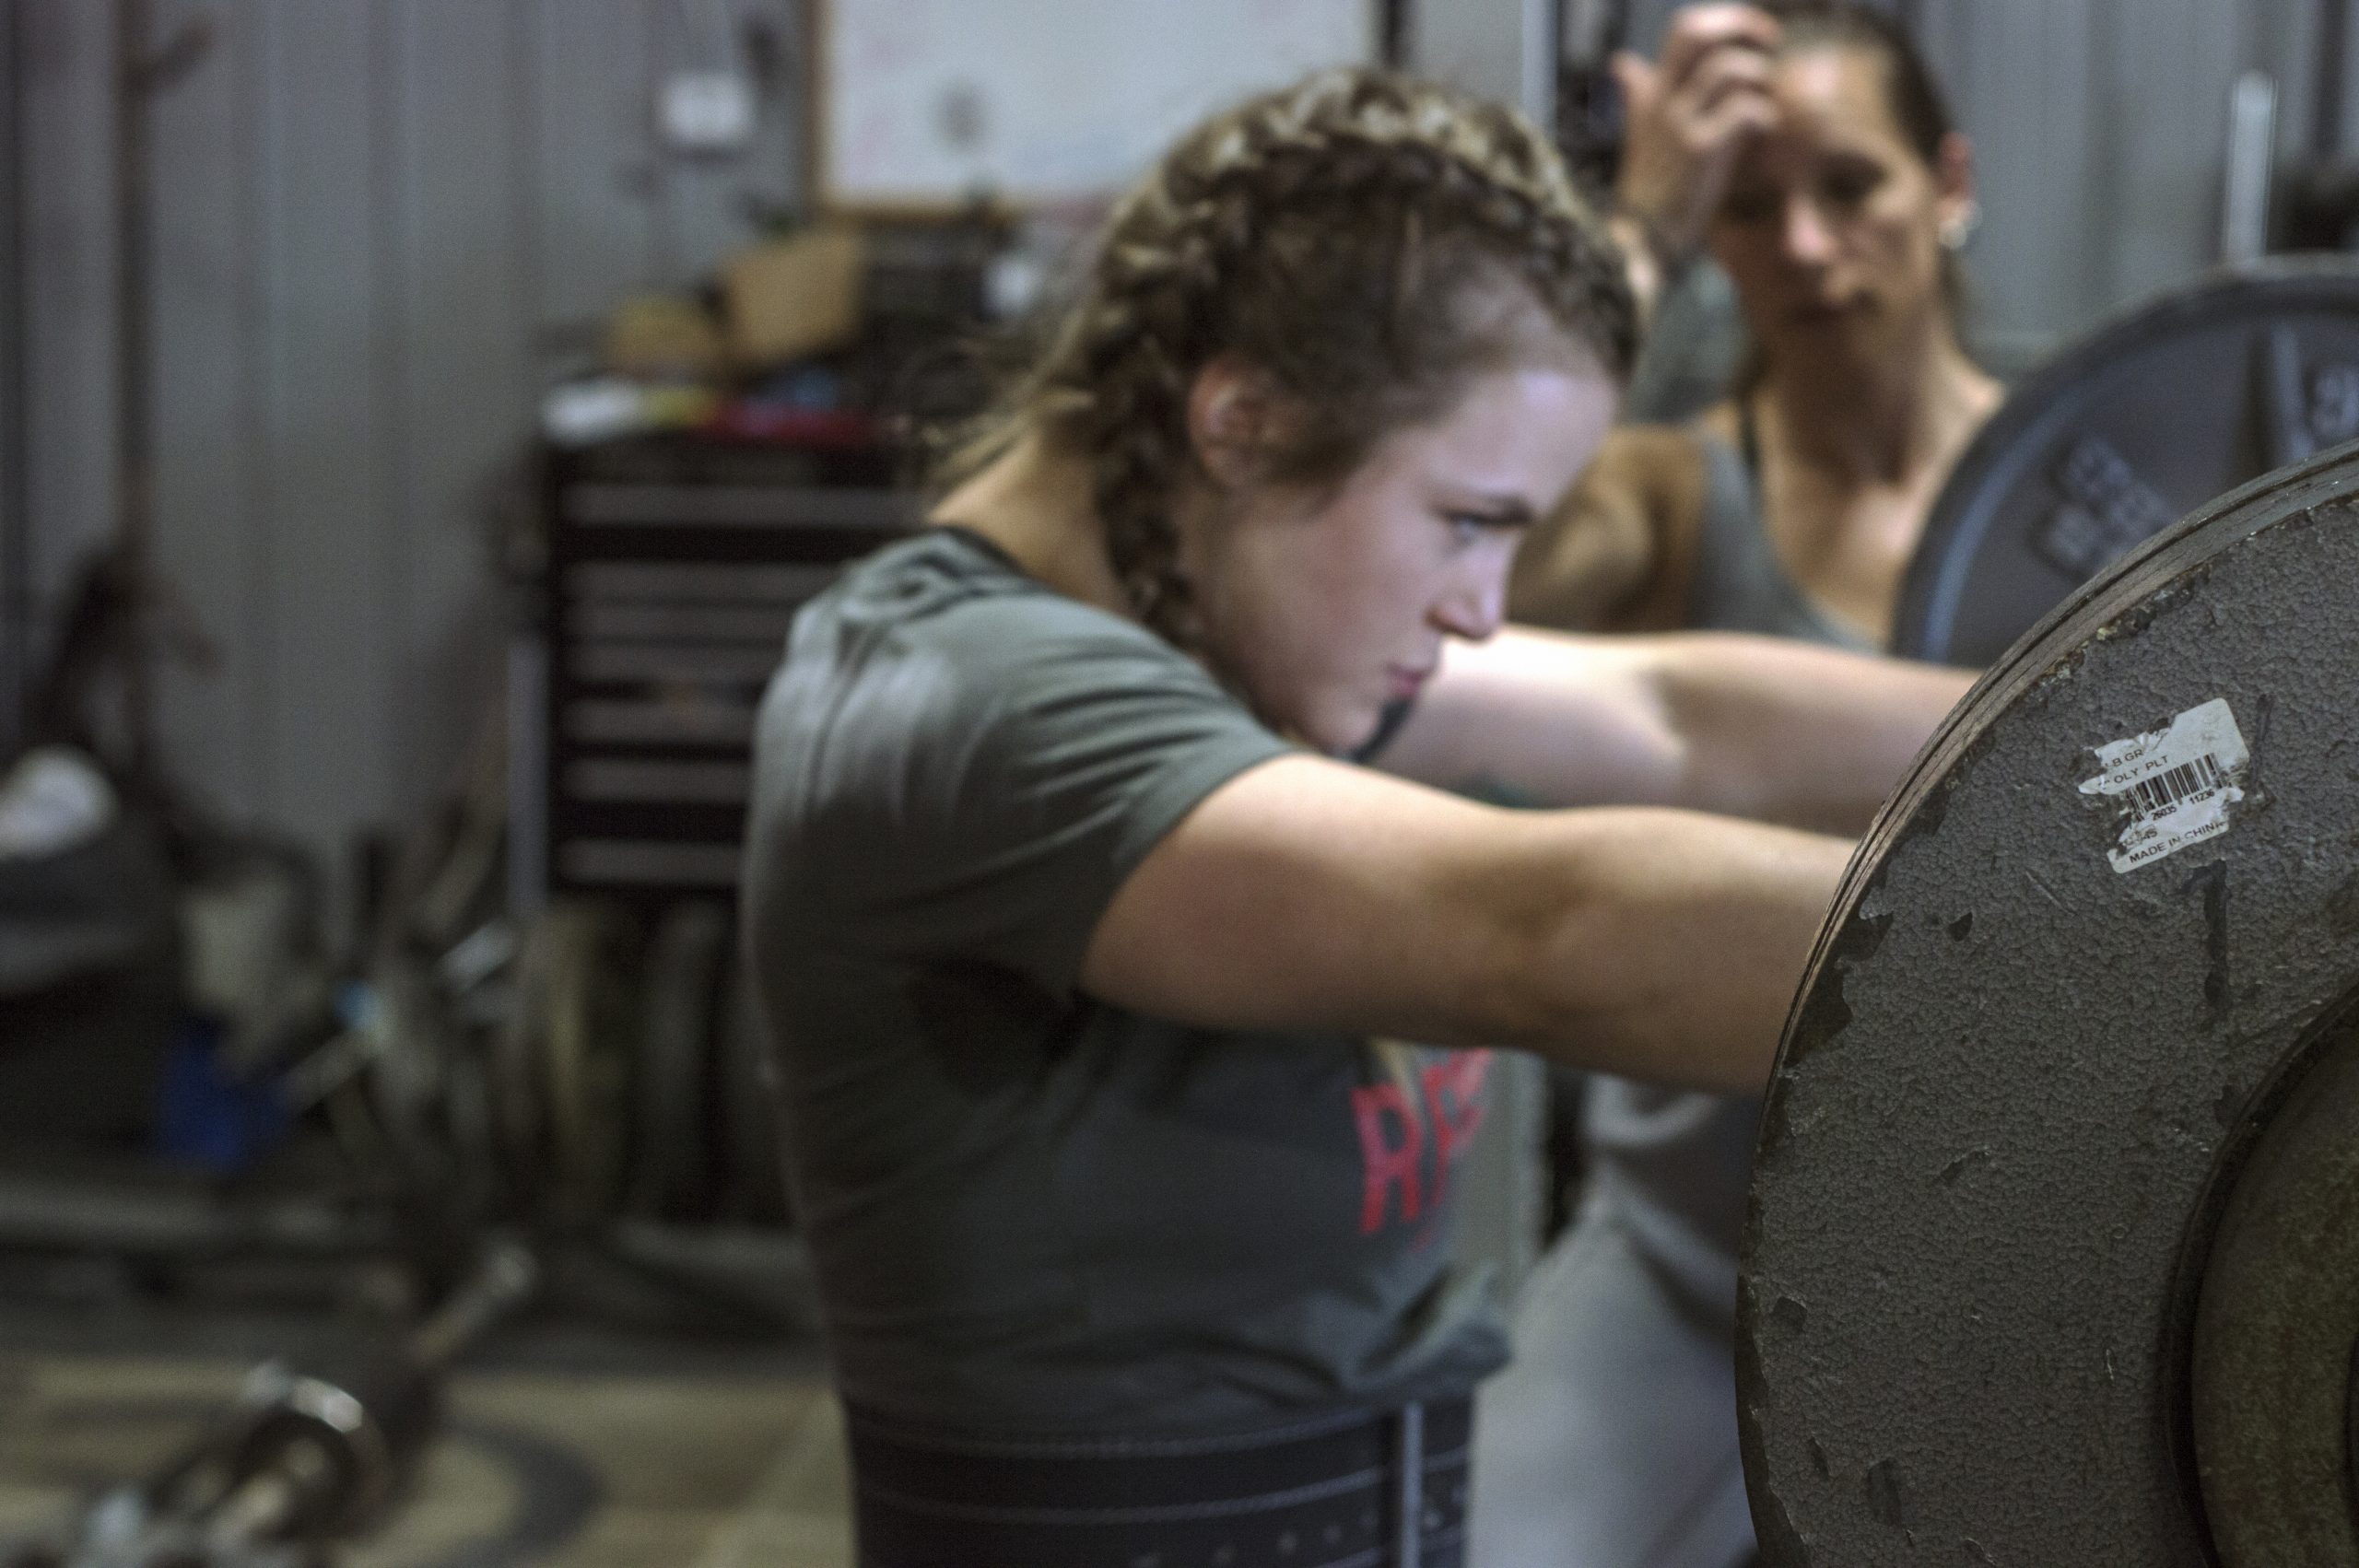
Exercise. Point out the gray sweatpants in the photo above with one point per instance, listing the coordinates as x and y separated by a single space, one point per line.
1610 1440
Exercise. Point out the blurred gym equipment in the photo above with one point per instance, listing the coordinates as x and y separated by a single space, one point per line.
2176 401
301 1458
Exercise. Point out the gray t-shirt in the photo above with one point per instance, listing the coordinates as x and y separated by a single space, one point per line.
1032 1212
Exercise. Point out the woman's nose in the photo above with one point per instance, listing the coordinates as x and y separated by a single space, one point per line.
1805 234
1475 607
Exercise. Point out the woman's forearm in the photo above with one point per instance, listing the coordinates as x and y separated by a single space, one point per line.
1678 958
1787 733
1745 726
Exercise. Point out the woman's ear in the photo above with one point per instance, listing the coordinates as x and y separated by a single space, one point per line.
1953 173
1230 409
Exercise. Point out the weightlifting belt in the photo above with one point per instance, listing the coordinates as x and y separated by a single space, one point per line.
1359 1490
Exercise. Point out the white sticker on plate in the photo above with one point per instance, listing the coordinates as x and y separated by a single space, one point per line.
2177 783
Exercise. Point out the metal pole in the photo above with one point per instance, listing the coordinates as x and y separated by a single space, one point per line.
135 421
1541 46
2326 106
1394 44
15 522
2252 148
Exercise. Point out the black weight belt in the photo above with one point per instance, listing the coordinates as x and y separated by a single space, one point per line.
1359 1490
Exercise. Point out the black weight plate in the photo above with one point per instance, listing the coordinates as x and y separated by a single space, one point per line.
2070 622
673 1159
2231 515
2277 1320
1990 1142
2178 400
592 1011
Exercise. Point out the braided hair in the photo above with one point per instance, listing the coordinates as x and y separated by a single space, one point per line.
1353 238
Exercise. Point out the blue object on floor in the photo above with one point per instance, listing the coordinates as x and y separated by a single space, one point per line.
209 1117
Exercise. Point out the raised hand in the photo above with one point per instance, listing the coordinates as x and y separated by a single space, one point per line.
1688 116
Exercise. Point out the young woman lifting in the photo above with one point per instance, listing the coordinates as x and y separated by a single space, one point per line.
1103 837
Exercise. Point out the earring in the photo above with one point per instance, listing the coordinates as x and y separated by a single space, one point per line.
1959 227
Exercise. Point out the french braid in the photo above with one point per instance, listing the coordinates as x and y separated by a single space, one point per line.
1347 237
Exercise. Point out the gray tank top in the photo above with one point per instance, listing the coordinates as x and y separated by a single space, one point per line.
1674 1165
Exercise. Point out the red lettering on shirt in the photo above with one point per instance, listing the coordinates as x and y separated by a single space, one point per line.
1454 1099
1384 1163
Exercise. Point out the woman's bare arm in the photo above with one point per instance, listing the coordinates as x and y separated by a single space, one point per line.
1312 894
1598 556
1756 727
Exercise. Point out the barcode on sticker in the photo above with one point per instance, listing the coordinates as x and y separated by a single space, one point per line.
2178 784
2168 790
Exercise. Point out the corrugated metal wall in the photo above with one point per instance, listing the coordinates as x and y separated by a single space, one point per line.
381 227
382 224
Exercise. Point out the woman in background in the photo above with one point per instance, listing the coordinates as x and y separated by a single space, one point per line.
1810 146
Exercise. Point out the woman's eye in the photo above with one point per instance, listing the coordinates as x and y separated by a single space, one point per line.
1468 528
1849 188
1749 206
